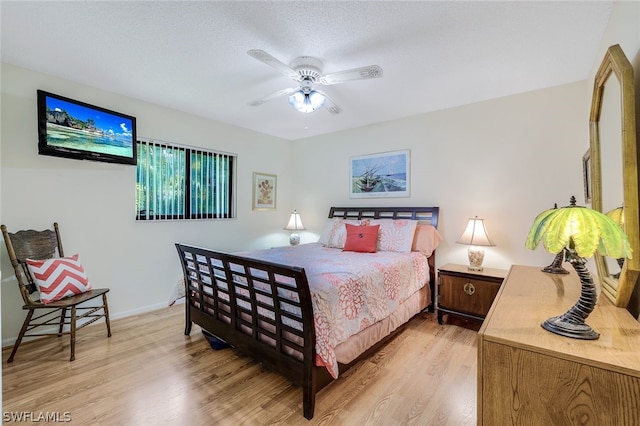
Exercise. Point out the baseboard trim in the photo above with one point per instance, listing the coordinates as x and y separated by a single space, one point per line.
8 342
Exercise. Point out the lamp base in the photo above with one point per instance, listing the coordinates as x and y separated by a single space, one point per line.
571 323
294 239
564 328
476 256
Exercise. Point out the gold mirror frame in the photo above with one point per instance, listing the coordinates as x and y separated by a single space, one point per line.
615 61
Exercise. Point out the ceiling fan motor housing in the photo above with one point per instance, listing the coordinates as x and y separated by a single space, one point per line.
308 68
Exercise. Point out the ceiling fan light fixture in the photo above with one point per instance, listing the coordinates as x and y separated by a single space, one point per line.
306 102
307 71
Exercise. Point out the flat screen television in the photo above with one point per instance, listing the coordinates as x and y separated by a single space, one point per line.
73 129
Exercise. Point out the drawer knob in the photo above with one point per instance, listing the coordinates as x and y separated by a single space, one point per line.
469 289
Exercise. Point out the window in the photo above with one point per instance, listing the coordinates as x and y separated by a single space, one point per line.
177 182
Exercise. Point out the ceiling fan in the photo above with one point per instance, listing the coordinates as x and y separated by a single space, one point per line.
307 71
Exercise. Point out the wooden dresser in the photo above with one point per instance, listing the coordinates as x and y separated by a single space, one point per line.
529 376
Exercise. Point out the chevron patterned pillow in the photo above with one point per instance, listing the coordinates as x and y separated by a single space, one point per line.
58 278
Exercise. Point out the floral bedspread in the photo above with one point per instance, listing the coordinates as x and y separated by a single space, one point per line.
350 291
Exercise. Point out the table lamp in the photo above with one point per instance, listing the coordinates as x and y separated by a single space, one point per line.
578 232
475 235
295 224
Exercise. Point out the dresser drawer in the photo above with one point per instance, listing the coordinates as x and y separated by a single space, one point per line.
469 295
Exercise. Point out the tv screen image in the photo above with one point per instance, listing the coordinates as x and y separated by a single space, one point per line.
75 129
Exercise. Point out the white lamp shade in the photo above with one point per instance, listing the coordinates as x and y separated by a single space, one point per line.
295 222
475 234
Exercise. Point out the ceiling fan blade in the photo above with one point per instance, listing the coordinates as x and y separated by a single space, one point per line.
362 73
263 56
274 95
330 105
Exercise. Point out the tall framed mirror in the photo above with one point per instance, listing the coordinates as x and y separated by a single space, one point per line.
614 168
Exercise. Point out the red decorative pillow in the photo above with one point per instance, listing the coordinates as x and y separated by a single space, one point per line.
362 239
58 278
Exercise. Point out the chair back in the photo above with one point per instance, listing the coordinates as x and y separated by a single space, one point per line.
30 244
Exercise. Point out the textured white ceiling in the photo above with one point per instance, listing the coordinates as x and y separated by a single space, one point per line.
191 55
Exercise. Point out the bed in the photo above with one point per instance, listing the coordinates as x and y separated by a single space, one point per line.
279 306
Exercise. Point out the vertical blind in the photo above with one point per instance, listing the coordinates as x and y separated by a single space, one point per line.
176 182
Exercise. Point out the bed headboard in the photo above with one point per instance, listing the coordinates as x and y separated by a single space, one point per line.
426 214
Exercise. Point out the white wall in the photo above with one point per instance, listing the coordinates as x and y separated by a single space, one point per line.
504 160
94 203
623 29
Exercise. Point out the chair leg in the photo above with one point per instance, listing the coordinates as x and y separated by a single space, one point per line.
62 317
23 330
105 308
73 333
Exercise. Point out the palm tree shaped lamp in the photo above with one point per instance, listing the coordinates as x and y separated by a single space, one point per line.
578 232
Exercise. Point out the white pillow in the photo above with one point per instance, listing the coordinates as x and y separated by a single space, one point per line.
395 234
326 232
334 233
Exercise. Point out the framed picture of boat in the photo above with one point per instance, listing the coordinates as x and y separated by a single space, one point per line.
384 174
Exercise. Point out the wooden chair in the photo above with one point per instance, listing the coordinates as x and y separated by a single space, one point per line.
41 245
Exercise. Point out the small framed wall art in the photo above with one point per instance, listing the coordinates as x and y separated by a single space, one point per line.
380 175
264 191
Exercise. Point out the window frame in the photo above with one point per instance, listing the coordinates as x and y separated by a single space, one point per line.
185 176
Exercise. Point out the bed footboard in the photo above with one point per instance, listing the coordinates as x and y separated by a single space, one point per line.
262 309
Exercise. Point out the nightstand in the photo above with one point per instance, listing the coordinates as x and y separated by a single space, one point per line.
466 293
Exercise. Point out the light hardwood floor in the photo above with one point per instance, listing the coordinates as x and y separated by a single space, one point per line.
150 373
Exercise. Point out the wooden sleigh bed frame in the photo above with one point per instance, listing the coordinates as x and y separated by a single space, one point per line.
240 301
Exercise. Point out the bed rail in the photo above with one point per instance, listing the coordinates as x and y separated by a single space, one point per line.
260 308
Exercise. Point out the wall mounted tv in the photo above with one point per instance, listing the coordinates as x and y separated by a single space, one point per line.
74 129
